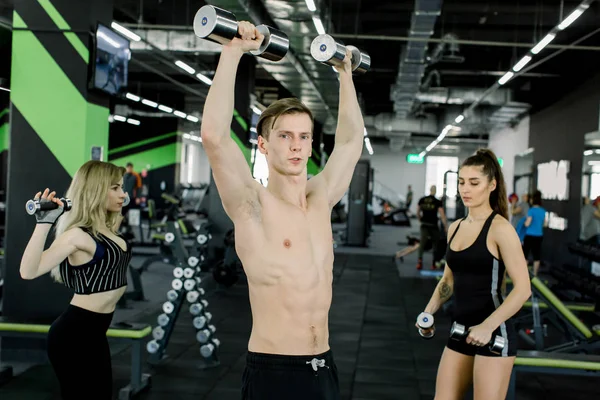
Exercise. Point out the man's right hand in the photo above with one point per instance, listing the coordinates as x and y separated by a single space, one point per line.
250 38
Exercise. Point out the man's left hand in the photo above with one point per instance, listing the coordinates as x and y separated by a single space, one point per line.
346 67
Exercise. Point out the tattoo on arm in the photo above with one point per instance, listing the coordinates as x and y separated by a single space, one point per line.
445 291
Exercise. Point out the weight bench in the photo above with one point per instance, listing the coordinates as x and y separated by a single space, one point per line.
579 336
121 332
538 362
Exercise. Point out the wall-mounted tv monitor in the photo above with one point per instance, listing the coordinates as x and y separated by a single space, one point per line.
111 61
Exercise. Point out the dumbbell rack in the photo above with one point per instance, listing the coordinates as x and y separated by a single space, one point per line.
185 287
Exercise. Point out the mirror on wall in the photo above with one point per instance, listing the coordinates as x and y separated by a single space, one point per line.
590 188
523 186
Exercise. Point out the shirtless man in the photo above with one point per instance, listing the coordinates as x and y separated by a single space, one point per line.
283 232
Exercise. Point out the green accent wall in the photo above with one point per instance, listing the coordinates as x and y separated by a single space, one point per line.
64 120
142 142
4 137
312 168
62 24
157 157
246 151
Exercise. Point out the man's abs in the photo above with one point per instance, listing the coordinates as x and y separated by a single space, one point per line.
289 319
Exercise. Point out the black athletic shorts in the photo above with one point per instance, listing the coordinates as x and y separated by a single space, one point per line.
281 377
533 244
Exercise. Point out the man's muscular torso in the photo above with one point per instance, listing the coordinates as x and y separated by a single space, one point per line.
287 254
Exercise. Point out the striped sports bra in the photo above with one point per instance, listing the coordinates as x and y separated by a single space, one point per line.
107 270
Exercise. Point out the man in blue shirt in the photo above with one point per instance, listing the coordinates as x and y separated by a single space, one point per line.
535 223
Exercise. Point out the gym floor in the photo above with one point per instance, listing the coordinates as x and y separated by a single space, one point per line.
377 350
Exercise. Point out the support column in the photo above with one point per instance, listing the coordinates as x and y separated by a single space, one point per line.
54 124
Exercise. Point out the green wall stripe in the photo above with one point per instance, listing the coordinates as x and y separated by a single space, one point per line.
312 168
51 104
79 46
246 151
3 112
240 120
4 137
142 143
152 159
97 131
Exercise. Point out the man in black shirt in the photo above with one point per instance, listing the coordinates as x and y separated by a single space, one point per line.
427 213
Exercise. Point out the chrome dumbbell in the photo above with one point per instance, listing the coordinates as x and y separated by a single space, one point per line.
221 26
324 48
459 332
203 335
425 322
208 349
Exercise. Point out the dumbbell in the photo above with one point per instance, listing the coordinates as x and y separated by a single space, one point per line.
158 333
221 26
188 273
178 272
163 319
189 284
193 295
205 334
172 295
193 261
152 346
208 349
425 321
199 322
34 206
459 332
168 307
176 284
324 48
202 238
197 308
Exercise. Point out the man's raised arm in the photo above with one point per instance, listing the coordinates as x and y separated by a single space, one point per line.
230 170
348 137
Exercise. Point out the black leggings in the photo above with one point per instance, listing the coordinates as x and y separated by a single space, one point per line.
79 353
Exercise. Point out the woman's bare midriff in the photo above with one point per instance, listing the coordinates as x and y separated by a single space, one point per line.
103 303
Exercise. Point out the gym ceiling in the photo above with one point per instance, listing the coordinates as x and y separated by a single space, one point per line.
411 92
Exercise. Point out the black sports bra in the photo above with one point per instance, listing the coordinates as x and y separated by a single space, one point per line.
107 270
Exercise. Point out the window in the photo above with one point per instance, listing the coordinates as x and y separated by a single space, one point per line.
435 168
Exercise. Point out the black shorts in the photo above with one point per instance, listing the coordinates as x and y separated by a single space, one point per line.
533 244
281 377
506 330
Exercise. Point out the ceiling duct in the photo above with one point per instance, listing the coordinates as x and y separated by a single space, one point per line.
385 122
441 95
412 57
315 84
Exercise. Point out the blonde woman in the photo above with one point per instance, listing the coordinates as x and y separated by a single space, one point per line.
88 256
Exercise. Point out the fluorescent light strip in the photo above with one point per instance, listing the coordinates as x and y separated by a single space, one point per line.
125 32
571 18
318 25
185 67
588 152
365 132
133 121
368 146
5 89
543 43
256 110
132 97
204 79
310 4
459 119
179 114
150 103
192 118
523 62
109 40
119 118
165 108
506 78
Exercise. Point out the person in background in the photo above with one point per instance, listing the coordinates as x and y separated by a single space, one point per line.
132 182
409 199
590 220
427 212
535 223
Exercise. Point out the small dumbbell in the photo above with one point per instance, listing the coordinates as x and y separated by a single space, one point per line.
178 272
459 332
324 48
34 206
158 333
169 237
221 26
203 335
192 261
208 349
168 307
188 273
172 295
152 346
199 322
425 322
193 295
177 284
202 238
163 319
189 284
197 308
